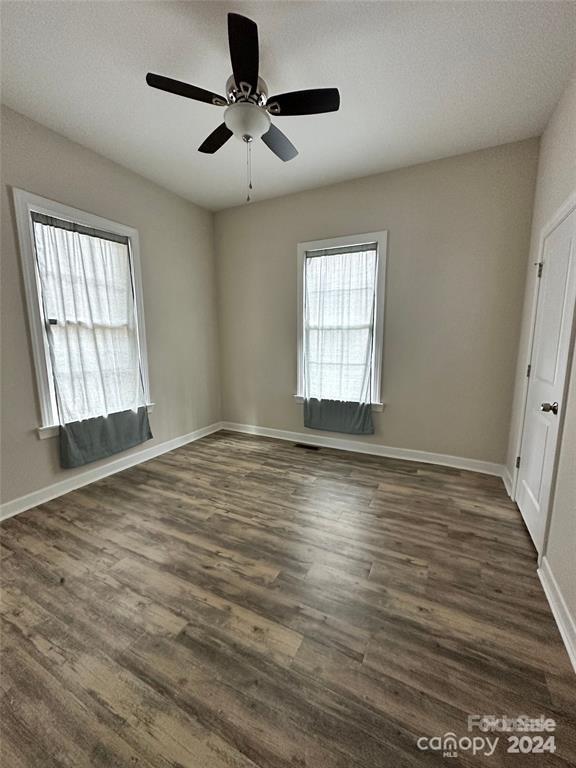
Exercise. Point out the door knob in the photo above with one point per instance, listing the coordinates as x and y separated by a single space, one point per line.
547 407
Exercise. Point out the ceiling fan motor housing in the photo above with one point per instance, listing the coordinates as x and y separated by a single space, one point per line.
245 92
246 120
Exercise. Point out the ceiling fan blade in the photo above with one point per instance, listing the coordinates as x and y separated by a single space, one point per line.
310 102
243 42
183 89
279 144
217 138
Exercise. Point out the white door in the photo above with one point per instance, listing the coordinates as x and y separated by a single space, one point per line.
549 363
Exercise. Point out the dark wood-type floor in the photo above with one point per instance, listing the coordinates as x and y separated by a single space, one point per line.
244 602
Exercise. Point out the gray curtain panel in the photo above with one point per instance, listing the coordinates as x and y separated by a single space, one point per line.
84 441
337 416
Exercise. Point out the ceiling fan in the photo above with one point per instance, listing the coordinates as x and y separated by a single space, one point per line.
248 106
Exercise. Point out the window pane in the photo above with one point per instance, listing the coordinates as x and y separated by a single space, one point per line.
88 298
338 325
84 279
95 368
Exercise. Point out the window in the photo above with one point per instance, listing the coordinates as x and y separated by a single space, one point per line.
85 307
341 318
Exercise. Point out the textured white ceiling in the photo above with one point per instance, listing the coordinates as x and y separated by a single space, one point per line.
418 81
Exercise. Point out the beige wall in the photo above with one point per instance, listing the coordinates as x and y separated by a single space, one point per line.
556 182
458 240
176 240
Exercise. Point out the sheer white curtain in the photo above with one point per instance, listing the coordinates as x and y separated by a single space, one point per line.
88 299
339 304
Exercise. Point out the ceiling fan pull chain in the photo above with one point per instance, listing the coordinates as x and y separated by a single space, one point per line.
248 168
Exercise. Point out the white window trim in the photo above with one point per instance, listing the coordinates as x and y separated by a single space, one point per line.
24 204
381 240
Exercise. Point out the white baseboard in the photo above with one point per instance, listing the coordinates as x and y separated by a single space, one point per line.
14 507
565 621
374 449
23 503
507 478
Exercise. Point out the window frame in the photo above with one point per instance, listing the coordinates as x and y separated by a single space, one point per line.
24 204
381 240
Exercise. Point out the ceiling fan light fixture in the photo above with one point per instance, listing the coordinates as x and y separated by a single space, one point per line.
246 120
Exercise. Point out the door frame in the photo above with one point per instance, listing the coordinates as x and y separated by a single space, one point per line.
561 214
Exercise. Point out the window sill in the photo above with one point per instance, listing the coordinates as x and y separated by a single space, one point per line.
44 433
375 406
